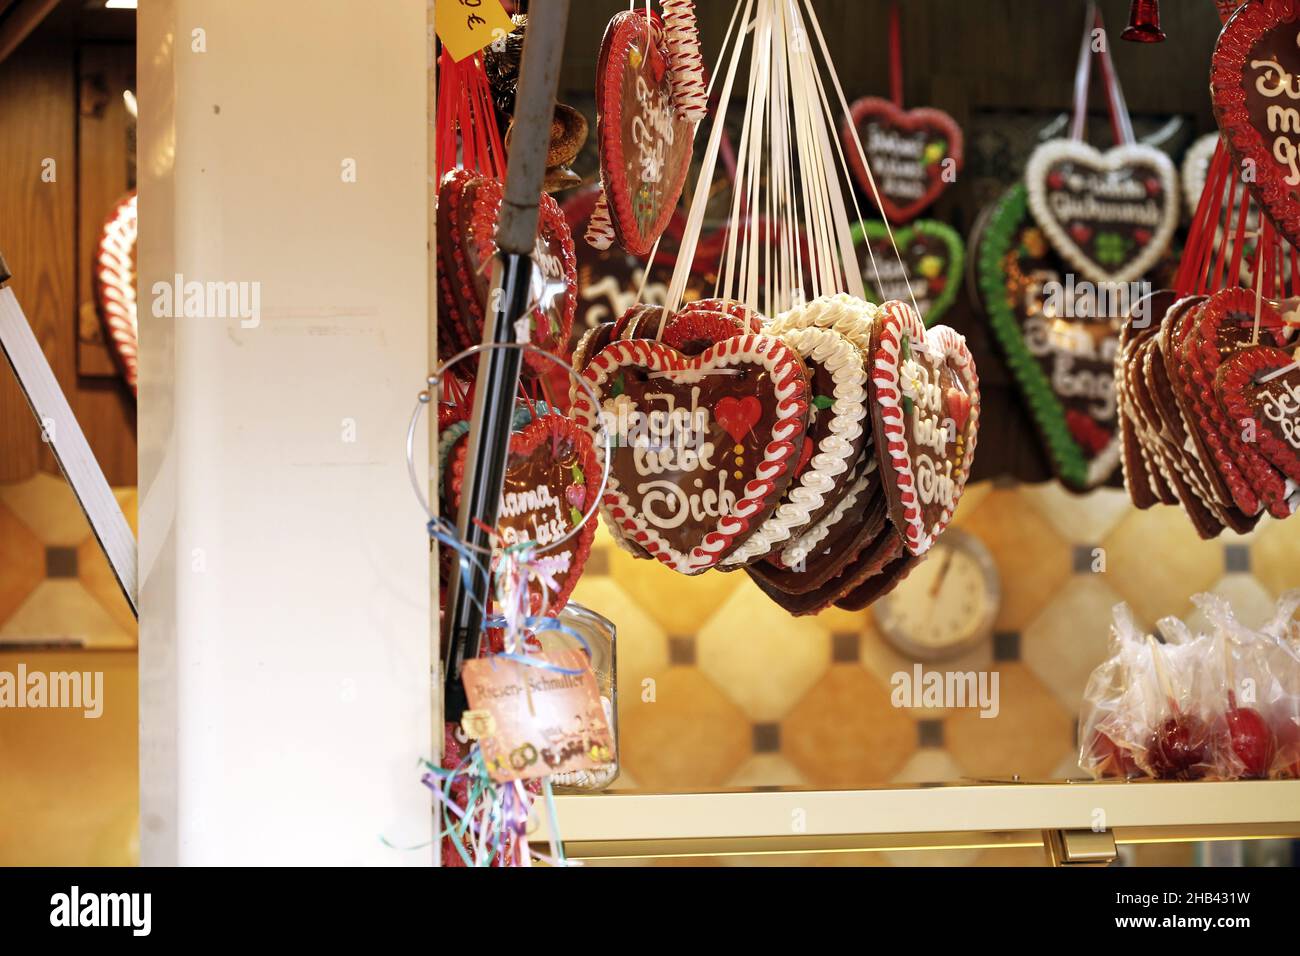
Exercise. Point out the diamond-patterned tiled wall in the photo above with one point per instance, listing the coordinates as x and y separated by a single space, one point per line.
719 687
56 586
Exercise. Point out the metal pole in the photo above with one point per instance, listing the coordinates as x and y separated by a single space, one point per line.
498 369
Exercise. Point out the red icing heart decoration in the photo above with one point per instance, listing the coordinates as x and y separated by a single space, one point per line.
738 416
925 454
551 473
1260 390
906 150
1110 215
1256 97
681 488
645 146
467 225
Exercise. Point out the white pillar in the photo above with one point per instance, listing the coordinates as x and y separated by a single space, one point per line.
285 616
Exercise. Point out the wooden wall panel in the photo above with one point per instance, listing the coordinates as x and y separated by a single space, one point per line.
37 123
39 236
104 174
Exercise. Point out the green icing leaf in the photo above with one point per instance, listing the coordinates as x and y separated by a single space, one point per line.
617 390
907 403
575 515
1001 234
823 401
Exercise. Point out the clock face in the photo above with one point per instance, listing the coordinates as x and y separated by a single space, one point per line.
947 604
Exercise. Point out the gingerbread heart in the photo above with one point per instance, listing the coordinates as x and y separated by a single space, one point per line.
930 272
683 486
913 154
1261 387
645 145
1063 366
1222 326
1254 93
924 457
1110 215
552 476
472 228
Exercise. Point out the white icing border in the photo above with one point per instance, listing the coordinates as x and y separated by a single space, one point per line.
1195 169
1056 150
851 317
799 549
848 368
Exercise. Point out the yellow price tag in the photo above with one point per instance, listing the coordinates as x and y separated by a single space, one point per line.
467 26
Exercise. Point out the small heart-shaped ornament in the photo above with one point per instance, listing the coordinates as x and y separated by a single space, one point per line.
924 456
930 272
681 488
1256 98
1110 215
645 145
1260 387
551 472
913 154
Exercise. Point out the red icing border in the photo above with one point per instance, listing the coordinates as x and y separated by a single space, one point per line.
1231 54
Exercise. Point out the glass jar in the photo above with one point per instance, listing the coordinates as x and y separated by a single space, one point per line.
599 634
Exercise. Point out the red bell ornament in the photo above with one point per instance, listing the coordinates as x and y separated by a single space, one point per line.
1143 22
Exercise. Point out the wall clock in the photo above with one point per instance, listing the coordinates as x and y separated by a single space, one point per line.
947 605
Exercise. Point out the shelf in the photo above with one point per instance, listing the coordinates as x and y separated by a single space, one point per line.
969 814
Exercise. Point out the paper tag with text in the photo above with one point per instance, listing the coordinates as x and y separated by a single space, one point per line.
545 721
467 26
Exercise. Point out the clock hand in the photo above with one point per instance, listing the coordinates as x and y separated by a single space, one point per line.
943 572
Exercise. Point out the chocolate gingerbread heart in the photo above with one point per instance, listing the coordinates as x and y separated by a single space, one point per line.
1222 326
555 280
907 151
1060 346
1110 215
694 471
930 272
552 476
925 404
1254 93
645 145
1261 386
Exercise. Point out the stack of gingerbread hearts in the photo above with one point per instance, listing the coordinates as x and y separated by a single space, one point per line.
822 452
1209 400
468 204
